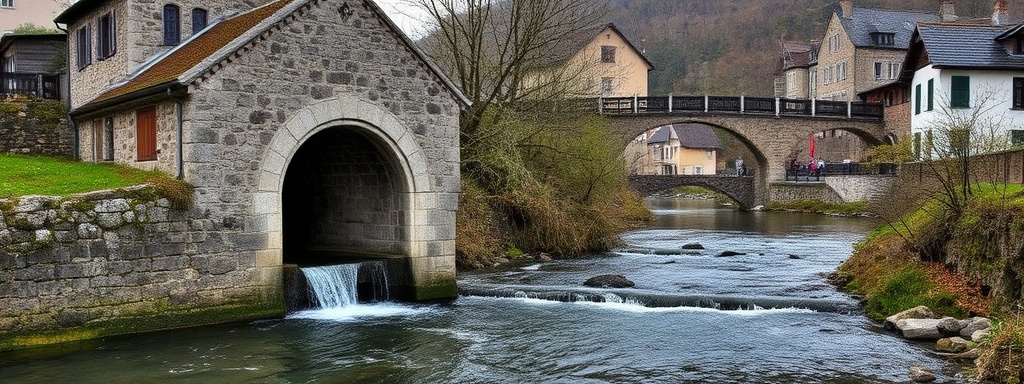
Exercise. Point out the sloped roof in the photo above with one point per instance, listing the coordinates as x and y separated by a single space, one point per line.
967 46
200 52
866 21
8 39
796 54
697 136
573 43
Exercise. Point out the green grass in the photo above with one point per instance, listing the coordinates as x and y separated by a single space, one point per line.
907 289
38 175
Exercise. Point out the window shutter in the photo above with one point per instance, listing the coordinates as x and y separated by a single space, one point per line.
960 92
931 94
917 99
113 33
145 124
1018 93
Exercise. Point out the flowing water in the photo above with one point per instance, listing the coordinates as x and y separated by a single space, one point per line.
767 316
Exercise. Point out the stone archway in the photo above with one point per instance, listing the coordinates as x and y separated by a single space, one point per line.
432 277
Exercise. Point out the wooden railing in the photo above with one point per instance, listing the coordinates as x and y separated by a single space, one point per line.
33 84
736 104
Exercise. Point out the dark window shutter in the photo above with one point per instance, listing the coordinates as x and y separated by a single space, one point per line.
198 20
1018 93
931 94
917 99
960 92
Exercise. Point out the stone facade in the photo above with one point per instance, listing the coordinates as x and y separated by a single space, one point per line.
794 192
854 188
80 267
836 56
35 127
740 189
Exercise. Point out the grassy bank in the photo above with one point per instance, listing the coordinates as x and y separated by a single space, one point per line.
40 175
814 206
960 260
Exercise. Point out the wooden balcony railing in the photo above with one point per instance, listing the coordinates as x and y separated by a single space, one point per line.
33 84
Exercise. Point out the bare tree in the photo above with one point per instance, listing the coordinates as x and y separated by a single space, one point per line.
491 47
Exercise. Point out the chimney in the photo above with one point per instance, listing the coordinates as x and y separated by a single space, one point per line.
847 8
1000 12
948 11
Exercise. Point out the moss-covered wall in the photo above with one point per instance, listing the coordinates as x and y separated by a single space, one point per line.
114 262
38 127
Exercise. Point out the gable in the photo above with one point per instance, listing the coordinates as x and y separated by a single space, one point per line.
228 40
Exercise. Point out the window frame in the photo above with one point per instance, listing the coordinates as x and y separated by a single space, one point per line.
960 92
607 85
83 46
172 24
878 70
200 19
608 54
1018 93
106 35
6 3
917 99
931 95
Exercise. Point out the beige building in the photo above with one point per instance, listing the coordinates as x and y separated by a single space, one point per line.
38 12
596 61
860 49
679 149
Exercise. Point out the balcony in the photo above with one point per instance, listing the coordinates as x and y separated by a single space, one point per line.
30 84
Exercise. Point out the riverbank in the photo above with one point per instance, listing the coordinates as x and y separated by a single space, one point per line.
960 263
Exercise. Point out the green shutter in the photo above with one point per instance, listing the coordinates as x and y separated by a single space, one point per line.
931 94
917 99
1016 137
960 92
917 145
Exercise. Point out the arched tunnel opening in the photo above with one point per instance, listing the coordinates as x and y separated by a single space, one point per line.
345 204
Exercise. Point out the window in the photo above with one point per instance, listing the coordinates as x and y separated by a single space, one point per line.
698 170
931 95
833 44
878 70
1016 137
1018 93
172 24
842 70
84 46
1018 46
607 85
917 99
7 3
108 139
145 134
894 70
828 75
607 54
960 92
106 36
198 20
711 154
882 38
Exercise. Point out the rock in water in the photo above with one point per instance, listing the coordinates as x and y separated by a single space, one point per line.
921 375
693 246
921 312
952 345
975 324
920 329
609 281
730 253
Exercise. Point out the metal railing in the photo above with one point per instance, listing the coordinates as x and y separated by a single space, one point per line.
805 173
33 84
737 104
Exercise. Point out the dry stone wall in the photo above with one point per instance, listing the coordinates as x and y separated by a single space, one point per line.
35 127
113 262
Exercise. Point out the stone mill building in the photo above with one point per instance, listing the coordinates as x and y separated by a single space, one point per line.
313 131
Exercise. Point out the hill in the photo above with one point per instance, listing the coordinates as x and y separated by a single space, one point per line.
731 47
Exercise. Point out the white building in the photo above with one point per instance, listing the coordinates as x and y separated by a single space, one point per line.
961 69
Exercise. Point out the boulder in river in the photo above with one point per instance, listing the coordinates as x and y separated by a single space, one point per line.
693 246
921 375
951 326
975 324
609 281
953 345
921 312
730 253
919 329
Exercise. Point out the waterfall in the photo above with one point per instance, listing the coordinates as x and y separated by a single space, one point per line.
333 286
337 286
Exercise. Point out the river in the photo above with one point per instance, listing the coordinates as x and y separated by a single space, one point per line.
767 316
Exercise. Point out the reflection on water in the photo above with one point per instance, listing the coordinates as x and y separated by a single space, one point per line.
810 333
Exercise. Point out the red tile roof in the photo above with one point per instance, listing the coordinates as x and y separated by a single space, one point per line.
185 57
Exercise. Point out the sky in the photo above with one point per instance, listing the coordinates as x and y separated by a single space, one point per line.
405 15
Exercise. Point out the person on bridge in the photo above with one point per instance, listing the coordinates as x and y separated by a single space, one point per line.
821 166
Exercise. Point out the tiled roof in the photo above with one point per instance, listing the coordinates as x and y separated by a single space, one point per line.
866 21
568 46
795 55
193 51
698 136
965 45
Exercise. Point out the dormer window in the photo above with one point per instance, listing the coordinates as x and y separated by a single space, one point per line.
884 38
198 20
1018 46
172 24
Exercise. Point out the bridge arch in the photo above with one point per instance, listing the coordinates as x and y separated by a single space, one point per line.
739 189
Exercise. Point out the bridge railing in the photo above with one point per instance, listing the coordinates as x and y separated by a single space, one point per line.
738 104
804 173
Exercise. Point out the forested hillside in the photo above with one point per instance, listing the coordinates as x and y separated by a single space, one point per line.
732 46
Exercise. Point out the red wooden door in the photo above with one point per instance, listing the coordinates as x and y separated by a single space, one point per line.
145 124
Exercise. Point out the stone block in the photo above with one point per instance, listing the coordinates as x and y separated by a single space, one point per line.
89 231
112 206
109 220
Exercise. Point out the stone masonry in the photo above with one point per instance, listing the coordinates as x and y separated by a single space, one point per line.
80 267
24 130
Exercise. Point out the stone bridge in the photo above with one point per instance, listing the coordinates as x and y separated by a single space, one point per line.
770 128
740 189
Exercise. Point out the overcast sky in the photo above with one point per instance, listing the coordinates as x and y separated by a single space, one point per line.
407 16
